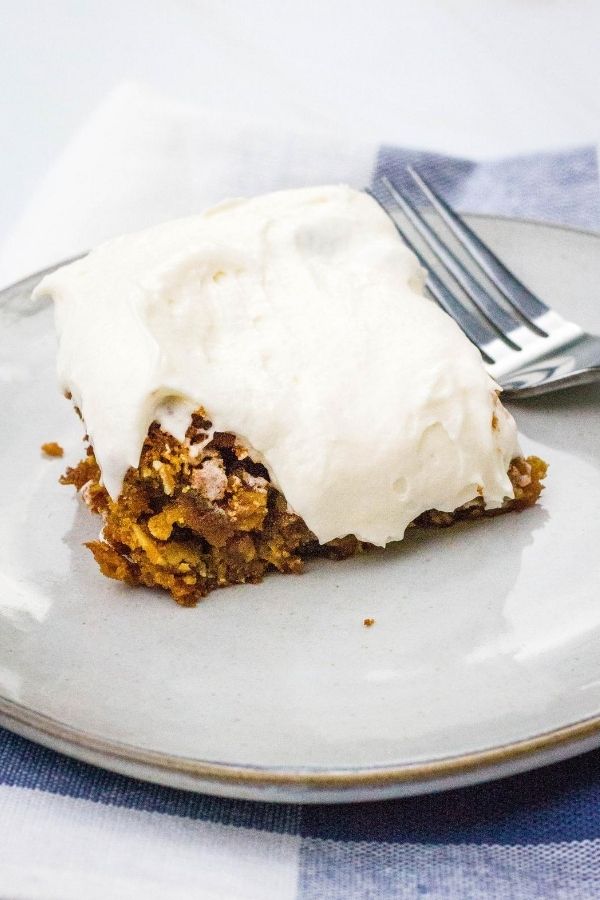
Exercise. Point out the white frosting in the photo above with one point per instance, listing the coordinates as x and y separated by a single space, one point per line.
298 321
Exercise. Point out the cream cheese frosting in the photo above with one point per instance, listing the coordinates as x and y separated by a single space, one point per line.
298 321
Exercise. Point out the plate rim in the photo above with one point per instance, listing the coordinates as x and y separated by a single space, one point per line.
305 783
299 781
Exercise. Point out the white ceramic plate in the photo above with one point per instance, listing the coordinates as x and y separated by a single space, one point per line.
484 658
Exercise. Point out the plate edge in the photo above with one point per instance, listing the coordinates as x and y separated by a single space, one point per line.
308 783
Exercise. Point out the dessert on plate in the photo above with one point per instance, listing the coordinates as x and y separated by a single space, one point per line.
266 382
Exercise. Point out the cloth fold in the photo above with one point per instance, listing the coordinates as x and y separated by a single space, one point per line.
69 830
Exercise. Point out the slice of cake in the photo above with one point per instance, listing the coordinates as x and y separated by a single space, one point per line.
268 381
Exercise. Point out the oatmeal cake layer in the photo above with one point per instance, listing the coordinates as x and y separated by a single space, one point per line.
195 516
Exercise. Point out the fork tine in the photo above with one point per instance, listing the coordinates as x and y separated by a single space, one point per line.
478 332
510 287
505 322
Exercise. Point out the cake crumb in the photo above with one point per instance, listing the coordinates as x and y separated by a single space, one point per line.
52 449
368 622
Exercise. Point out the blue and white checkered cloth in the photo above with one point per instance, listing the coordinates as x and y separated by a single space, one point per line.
68 830
72 832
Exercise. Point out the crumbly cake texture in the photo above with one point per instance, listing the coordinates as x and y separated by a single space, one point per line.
198 515
51 448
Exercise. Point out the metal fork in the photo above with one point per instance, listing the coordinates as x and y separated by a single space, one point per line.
528 347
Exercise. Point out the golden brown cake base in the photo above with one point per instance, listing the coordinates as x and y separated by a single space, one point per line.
192 518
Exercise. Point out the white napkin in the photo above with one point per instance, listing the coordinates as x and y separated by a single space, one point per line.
141 158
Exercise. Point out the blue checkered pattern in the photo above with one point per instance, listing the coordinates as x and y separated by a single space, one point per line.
559 187
535 835
68 830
